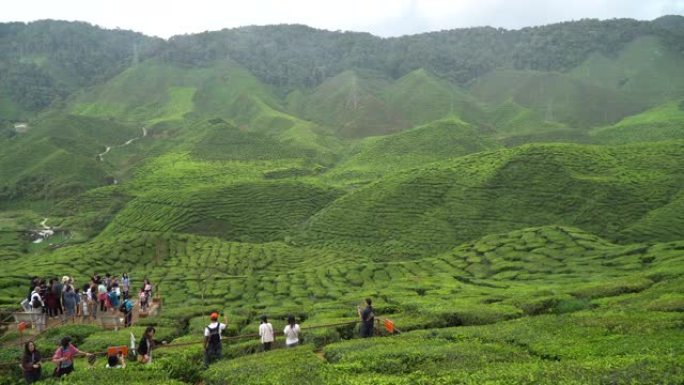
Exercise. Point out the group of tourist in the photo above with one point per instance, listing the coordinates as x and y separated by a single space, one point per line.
61 298
55 297
63 358
105 292
212 333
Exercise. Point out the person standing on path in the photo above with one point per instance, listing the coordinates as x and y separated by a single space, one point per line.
38 315
102 296
58 289
143 299
92 299
367 316
51 300
70 303
291 332
125 285
127 307
266 333
147 287
212 339
113 299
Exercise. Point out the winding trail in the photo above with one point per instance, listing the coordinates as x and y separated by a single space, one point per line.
100 155
126 143
45 233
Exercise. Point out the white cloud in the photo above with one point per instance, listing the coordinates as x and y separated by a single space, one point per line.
381 17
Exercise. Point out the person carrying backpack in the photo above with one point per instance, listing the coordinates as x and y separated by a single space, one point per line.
37 303
37 309
127 308
212 339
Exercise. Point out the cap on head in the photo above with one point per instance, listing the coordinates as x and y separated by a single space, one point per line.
214 316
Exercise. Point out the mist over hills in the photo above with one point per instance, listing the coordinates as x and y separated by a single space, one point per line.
512 199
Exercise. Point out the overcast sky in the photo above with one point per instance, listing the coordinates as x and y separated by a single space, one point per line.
379 17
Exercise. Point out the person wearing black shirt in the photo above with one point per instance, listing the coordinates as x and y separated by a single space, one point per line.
367 316
146 345
30 363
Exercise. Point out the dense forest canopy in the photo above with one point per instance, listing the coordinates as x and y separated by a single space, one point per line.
44 61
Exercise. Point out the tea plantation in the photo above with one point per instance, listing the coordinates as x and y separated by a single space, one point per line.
519 222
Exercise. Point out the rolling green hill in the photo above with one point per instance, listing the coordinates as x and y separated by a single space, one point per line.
603 190
439 140
249 212
665 122
421 98
644 68
555 97
352 104
155 91
57 157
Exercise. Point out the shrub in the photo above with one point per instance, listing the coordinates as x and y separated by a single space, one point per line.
287 366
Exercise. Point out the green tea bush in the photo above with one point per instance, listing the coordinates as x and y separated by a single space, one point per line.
668 302
410 353
78 334
133 374
612 287
287 366
183 363
100 341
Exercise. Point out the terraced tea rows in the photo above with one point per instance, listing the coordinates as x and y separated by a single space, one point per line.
200 270
256 212
429 210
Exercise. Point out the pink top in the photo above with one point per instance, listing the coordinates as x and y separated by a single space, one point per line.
67 353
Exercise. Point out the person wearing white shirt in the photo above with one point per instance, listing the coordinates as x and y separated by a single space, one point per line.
291 332
266 333
212 339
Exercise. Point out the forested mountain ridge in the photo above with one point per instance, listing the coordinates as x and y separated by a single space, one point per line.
302 56
46 61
